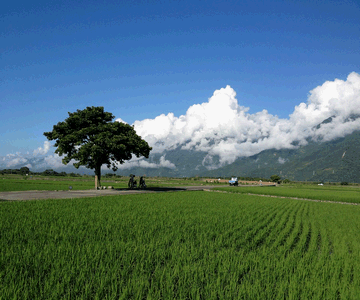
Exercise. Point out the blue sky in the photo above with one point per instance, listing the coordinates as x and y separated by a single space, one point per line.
140 59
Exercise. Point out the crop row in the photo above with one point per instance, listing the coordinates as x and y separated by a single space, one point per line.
194 245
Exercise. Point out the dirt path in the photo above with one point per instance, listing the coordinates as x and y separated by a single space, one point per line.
35 195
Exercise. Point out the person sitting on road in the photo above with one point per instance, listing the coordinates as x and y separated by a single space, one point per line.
142 182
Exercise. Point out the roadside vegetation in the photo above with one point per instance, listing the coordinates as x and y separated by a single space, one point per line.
185 245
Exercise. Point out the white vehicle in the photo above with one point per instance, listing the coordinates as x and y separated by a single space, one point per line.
234 181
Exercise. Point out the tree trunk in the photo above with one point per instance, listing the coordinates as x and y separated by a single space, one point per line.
97 177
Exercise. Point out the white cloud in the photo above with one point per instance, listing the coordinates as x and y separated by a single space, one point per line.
166 163
16 161
222 127
54 161
140 162
121 121
282 160
43 150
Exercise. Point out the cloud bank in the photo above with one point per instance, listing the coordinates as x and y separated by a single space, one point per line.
222 127
142 163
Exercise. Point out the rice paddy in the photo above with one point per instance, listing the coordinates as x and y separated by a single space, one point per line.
184 245
315 192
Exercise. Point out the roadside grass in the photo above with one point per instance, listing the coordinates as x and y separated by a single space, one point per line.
51 183
184 245
327 193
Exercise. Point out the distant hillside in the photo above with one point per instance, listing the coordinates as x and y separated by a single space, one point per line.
335 161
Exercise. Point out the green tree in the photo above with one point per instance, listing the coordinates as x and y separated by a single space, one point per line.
24 170
49 172
92 138
275 178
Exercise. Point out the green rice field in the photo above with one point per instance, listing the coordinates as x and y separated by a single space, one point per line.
315 192
183 245
17 183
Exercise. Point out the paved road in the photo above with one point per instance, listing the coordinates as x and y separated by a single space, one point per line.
33 195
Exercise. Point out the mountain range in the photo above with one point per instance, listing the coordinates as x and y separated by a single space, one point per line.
331 161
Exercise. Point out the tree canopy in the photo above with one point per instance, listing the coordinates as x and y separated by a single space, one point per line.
275 178
92 138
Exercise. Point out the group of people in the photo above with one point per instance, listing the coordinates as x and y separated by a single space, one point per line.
132 182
